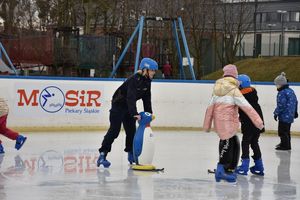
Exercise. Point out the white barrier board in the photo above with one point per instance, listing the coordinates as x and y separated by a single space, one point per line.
67 103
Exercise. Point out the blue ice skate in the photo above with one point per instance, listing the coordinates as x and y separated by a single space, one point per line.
1 149
258 168
231 172
20 141
130 158
102 160
220 174
244 168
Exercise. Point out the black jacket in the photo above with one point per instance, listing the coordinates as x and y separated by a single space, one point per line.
134 88
246 124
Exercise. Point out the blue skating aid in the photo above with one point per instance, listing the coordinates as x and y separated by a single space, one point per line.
143 144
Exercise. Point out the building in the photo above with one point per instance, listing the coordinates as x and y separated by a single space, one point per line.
277 30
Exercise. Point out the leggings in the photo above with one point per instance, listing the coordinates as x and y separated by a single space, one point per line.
229 152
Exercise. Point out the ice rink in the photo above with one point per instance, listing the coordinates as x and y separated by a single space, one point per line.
61 165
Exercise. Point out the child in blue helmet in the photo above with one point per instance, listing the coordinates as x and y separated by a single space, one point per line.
124 111
286 111
250 133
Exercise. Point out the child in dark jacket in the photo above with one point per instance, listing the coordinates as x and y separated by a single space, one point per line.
124 110
250 133
285 112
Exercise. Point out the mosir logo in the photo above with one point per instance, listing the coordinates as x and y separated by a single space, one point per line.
52 99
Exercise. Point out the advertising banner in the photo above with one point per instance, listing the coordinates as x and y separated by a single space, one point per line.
57 99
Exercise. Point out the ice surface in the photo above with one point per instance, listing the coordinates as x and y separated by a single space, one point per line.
61 166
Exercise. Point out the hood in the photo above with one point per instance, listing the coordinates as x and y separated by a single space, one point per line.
225 85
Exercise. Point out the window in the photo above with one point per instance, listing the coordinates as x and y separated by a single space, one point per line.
263 17
294 16
285 17
294 46
258 18
273 17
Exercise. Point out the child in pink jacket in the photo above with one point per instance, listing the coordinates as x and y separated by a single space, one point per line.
223 113
6 131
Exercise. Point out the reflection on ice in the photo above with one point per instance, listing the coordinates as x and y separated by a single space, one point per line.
285 187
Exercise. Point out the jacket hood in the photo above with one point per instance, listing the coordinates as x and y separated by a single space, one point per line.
225 85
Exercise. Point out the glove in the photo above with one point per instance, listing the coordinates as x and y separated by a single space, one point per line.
296 115
275 117
137 117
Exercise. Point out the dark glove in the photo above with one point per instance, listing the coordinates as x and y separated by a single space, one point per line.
275 117
296 115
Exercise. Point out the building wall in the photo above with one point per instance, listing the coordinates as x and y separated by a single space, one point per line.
266 48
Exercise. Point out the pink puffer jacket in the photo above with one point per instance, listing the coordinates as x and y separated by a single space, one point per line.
223 109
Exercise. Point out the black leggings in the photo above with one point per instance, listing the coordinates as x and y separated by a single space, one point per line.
251 139
229 152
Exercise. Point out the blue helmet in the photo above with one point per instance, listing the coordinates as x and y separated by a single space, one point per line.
244 80
148 63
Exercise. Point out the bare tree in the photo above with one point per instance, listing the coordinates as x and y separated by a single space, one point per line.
55 12
197 15
231 22
7 13
27 14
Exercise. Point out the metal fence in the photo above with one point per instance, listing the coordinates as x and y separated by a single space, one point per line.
82 51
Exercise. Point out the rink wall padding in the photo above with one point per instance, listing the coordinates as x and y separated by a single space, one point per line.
38 103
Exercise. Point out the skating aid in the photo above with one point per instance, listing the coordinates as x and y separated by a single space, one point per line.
149 168
143 145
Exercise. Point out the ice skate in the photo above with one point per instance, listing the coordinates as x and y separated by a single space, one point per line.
220 174
1 149
130 158
20 141
102 160
258 168
244 168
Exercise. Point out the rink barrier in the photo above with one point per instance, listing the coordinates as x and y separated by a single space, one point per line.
85 102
